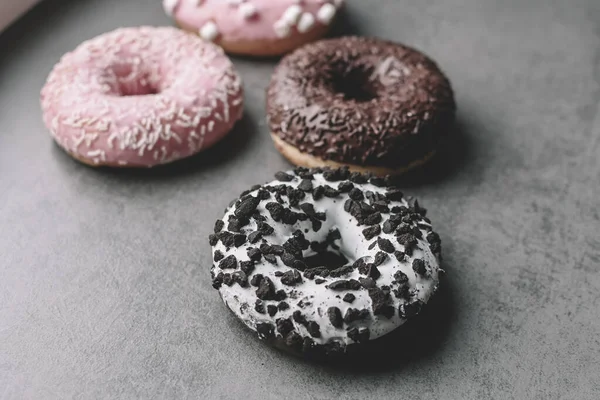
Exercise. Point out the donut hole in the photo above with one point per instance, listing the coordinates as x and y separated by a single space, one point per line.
134 79
354 85
137 89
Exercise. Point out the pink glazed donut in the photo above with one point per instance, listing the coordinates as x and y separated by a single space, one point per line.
255 27
140 97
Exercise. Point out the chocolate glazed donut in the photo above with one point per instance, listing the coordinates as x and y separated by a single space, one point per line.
366 103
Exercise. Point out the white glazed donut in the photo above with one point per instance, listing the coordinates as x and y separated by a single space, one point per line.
321 259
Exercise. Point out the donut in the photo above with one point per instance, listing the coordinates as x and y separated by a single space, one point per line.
255 27
320 260
140 97
369 104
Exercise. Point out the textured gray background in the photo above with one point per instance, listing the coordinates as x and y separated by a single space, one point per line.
104 284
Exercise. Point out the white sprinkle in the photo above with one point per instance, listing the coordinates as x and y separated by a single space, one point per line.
169 6
281 28
326 13
209 31
306 22
248 10
291 14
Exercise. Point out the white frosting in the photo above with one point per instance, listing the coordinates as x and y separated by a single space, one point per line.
353 245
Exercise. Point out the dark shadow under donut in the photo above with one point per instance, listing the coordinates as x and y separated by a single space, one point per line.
451 157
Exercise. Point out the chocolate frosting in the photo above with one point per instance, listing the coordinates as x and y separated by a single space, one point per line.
360 101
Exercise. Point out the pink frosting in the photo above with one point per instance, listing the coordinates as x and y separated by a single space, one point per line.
141 97
251 19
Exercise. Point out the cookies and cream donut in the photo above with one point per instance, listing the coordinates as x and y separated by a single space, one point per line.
255 27
140 97
366 103
318 260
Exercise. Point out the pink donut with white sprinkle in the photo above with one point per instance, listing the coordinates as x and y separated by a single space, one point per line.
255 27
140 97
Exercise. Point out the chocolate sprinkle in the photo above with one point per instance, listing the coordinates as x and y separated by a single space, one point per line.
380 258
371 232
247 267
410 310
230 262
378 300
299 318
350 284
419 267
259 306
271 310
314 329
265 330
385 245
306 185
218 256
247 207
359 335
266 290
240 278
352 314
254 254
284 326
291 278
270 258
282 176
256 280
349 297
335 317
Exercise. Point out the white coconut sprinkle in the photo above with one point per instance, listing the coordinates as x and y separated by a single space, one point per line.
326 13
307 21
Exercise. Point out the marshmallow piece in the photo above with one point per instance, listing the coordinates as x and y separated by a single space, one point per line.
282 29
248 10
209 31
291 14
306 22
169 6
326 13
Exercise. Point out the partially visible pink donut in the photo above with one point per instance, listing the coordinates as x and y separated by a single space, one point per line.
255 27
140 97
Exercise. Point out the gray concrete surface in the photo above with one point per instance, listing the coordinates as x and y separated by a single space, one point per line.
104 285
